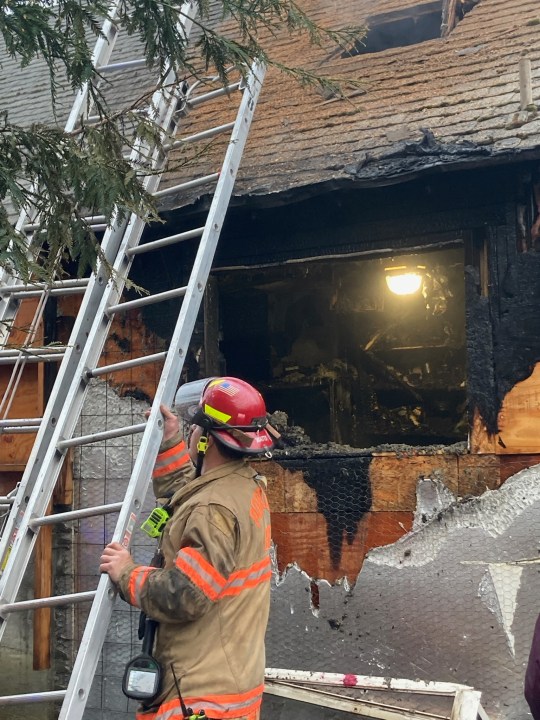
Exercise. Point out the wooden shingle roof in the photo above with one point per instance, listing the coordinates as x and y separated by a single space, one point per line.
440 102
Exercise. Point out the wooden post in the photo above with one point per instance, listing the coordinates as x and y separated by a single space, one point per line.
448 18
43 588
43 569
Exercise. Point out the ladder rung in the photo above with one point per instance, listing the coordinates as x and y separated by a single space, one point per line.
186 185
56 357
200 135
214 94
41 287
136 362
32 357
172 239
75 515
19 422
55 601
21 431
32 227
94 219
18 430
6 500
106 435
126 65
150 300
53 293
47 696
99 228
94 119
14 353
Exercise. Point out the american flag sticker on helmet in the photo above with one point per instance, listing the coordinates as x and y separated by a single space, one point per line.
226 387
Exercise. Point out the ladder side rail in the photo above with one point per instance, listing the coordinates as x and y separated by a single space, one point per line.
46 461
103 51
101 611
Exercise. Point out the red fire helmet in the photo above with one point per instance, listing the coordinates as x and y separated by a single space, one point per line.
232 410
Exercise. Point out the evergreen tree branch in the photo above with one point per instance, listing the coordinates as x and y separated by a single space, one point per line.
62 178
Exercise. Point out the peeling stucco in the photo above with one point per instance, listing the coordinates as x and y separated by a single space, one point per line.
454 600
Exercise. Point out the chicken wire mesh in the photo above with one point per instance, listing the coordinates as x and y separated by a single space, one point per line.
399 579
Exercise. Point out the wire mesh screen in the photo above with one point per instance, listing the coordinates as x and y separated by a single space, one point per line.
411 564
405 563
102 472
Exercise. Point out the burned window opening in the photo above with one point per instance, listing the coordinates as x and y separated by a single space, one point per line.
346 359
410 26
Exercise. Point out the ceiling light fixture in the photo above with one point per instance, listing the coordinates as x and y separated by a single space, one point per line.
403 279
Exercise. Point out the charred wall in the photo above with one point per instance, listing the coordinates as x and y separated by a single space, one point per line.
343 491
485 212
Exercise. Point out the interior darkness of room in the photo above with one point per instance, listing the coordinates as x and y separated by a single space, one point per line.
348 360
400 28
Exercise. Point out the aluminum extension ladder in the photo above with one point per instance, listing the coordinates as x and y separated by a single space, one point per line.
101 302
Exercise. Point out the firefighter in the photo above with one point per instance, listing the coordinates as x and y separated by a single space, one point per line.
211 596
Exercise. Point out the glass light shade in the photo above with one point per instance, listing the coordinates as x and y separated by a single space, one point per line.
406 283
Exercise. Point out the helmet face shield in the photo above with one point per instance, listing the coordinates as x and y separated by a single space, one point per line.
188 399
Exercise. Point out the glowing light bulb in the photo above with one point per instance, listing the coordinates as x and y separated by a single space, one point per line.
406 283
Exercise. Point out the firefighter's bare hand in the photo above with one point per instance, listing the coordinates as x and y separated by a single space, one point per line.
114 559
171 424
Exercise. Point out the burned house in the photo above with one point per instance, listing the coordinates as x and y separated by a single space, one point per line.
377 279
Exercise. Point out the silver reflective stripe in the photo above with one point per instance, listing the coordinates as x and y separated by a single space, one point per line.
199 571
253 575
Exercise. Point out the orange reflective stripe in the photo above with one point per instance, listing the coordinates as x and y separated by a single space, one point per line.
215 706
145 715
267 537
137 580
259 504
212 584
200 572
171 459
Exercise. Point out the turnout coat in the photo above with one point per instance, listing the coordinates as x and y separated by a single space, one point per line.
211 598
